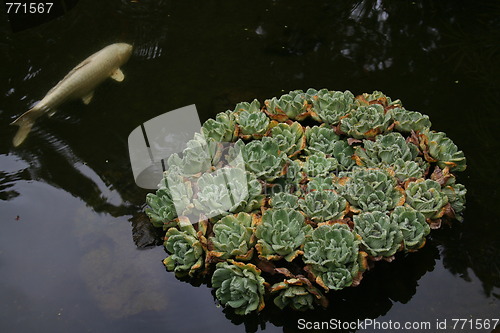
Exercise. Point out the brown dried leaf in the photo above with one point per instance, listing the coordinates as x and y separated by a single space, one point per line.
265 265
352 141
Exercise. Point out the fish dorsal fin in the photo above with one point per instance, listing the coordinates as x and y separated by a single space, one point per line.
87 98
80 65
118 75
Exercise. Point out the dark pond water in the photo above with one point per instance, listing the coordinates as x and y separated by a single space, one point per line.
72 255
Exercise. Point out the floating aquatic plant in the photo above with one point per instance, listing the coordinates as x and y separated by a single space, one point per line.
407 121
321 139
252 107
366 121
218 197
444 151
413 226
320 183
252 124
426 196
186 251
284 200
332 255
343 153
319 165
309 191
263 158
370 189
221 129
281 234
297 293
331 106
385 151
379 235
377 97
239 286
234 237
290 138
289 106
404 170
196 158
161 210
323 205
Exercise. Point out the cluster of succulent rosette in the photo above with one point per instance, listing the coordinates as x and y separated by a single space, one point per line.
332 183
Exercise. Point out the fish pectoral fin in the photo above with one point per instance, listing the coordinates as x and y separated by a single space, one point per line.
87 98
118 75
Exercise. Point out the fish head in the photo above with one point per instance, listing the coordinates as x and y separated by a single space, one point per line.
122 51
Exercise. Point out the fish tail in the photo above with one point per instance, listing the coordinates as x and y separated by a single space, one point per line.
25 123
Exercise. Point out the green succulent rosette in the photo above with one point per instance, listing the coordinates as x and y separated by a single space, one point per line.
377 97
161 210
320 184
332 255
331 106
343 153
197 157
323 205
319 165
404 170
252 124
455 192
413 226
239 286
321 139
290 138
366 122
385 151
370 189
252 107
379 236
234 237
296 293
456 197
284 200
263 158
425 196
281 234
443 150
221 129
407 121
173 198
293 105
293 296
186 251
228 190
310 94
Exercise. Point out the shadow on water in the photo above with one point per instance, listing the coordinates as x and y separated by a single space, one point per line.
439 58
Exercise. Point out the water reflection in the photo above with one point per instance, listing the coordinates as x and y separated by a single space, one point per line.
464 255
385 285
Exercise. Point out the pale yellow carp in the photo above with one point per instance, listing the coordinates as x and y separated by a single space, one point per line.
80 82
